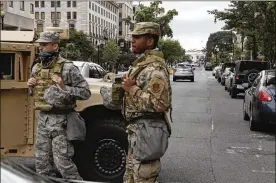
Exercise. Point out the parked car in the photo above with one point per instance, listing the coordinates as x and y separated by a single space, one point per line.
259 104
91 72
208 66
245 72
183 71
215 70
229 78
224 75
222 69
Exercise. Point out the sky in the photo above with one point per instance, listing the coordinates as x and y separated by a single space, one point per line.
193 25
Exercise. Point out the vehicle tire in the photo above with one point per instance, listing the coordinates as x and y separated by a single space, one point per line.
245 115
253 125
102 156
233 93
193 79
250 74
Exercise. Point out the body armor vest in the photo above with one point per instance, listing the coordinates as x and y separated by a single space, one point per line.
44 81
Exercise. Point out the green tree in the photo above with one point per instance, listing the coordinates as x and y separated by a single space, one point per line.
172 50
111 51
81 43
223 40
152 13
255 20
70 52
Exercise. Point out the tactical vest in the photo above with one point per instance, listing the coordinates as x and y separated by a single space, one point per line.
44 81
140 64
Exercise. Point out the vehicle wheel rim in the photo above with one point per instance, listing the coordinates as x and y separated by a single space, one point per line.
110 158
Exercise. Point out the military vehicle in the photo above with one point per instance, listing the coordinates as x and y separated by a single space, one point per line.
101 157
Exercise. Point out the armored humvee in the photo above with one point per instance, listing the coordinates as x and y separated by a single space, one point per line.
101 157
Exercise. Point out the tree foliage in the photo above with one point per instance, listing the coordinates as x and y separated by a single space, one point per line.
152 13
223 40
111 52
172 50
78 46
255 20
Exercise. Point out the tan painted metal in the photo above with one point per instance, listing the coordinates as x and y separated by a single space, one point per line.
18 124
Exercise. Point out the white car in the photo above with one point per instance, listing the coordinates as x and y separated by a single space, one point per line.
91 72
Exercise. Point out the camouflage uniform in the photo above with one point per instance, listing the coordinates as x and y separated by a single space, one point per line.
52 145
144 103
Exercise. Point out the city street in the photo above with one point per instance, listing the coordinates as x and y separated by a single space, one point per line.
211 143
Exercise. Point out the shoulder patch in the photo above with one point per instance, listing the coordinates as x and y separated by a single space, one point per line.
156 85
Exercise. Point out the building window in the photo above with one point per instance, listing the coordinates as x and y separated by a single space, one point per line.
68 4
11 4
42 4
53 3
74 15
42 15
22 6
71 26
93 6
69 15
32 8
53 15
74 3
90 5
36 4
39 27
36 15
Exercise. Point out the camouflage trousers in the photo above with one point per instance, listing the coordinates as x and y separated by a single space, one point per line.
53 148
137 171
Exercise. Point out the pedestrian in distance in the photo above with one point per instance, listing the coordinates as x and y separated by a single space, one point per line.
56 84
146 104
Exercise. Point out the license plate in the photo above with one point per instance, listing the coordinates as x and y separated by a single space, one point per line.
239 87
245 85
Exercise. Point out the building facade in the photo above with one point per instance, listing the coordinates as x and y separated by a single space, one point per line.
98 19
17 15
125 11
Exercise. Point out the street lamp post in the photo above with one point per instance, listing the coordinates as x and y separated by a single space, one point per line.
2 19
98 45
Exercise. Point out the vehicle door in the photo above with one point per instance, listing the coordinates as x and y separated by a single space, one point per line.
253 91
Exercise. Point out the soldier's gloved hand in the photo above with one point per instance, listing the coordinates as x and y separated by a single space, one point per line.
58 80
31 82
128 83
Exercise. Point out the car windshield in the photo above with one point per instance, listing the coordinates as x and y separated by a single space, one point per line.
208 63
245 66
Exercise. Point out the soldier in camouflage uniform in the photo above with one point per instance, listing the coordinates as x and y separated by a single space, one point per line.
145 105
56 84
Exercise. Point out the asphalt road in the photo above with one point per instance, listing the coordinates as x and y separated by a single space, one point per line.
211 143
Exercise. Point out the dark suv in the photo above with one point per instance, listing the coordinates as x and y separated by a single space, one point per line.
245 73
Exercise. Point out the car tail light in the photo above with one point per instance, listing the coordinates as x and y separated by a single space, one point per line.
237 77
264 96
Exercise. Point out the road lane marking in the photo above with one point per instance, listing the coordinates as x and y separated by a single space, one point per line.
212 125
263 171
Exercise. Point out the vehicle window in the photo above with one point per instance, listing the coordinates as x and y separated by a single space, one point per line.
270 78
93 72
246 66
7 66
101 71
257 80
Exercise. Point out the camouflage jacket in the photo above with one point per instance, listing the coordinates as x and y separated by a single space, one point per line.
76 88
152 92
